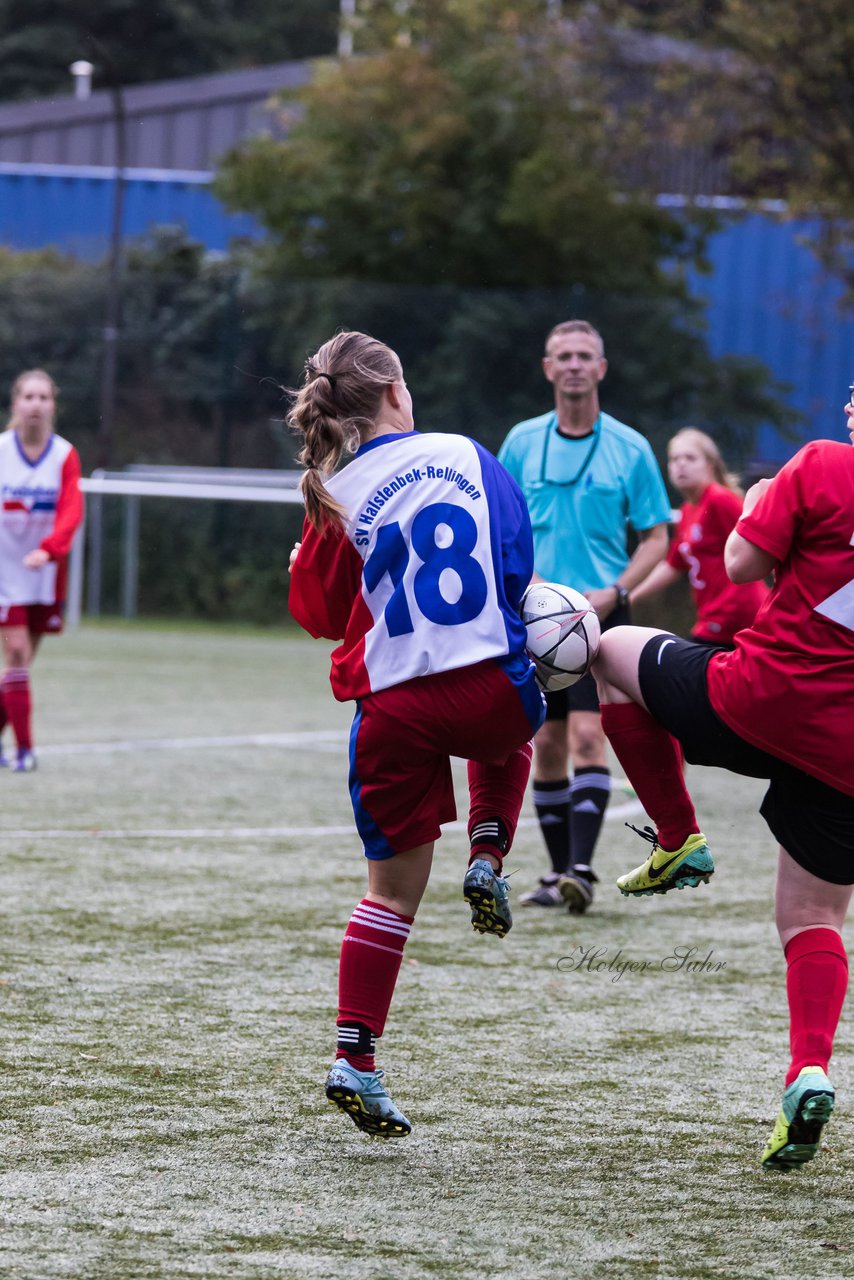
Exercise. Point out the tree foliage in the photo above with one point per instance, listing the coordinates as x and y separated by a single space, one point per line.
207 347
456 193
779 107
484 154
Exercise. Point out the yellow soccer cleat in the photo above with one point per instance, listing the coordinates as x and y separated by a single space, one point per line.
807 1106
665 869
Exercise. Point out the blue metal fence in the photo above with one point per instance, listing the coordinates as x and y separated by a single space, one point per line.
71 207
767 296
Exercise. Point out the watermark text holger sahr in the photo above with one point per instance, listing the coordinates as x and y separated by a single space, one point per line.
682 959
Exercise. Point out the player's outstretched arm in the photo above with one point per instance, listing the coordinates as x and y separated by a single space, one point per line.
745 562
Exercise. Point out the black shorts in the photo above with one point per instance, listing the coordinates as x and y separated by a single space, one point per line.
813 822
582 695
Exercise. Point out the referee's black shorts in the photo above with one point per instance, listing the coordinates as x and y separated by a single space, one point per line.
814 822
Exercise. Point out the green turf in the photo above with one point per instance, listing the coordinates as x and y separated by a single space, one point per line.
168 1007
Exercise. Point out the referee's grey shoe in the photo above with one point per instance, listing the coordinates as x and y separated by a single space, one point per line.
576 889
547 893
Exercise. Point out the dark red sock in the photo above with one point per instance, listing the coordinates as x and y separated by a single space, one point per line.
19 706
652 760
371 955
496 791
816 982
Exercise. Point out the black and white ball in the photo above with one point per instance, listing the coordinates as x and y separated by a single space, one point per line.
563 633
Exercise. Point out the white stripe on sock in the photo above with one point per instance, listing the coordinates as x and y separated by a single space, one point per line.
382 921
601 781
551 797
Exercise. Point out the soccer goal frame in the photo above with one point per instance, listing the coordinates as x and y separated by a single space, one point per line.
211 484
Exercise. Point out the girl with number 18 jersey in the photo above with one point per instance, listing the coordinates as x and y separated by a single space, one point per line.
415 557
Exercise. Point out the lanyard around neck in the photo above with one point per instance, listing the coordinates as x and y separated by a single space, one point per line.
585 464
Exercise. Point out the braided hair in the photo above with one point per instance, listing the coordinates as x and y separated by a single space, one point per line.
336 406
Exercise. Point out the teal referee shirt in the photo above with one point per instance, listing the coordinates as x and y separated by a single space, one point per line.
583 494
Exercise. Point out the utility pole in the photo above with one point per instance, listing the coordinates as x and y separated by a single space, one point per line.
112 318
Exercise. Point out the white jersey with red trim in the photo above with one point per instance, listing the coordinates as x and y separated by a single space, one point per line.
426 573
789 685
40 506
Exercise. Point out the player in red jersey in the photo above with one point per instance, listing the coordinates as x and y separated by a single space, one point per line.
415 556
779 706
706 518
40 509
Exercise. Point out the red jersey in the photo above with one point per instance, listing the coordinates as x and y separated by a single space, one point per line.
788 686
697 548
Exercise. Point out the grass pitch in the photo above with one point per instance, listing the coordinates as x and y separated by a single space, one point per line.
589 1097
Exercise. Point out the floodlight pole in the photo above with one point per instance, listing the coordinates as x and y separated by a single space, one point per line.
110 332
112 318
404 32
346 24
82 72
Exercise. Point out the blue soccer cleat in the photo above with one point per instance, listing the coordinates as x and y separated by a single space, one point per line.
361 1095
24 762
807 1106
486 893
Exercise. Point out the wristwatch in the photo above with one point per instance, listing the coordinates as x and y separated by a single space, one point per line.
622 595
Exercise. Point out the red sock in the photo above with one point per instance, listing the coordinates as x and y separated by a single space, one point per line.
18 703
652 760
496 793
816 981
371 954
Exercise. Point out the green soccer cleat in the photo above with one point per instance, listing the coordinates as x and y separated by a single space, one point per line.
665 870
486 893
807 1106
362 1097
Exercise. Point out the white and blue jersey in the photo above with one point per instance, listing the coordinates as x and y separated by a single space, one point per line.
40 506
427 571
582 494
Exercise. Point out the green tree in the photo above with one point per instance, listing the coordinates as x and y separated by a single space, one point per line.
795 74
456 195
485 154
777 104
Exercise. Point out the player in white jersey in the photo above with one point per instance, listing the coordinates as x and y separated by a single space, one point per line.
41 509
415 557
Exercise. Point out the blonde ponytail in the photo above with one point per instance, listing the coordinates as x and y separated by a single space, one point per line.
335 407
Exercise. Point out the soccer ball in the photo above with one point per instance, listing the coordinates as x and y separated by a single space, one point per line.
563 633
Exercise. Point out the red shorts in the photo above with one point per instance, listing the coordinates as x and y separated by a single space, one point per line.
39 619
401 745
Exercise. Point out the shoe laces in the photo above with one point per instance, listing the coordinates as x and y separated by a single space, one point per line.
645 833
499 878
374 1086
